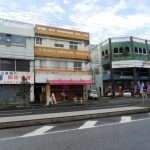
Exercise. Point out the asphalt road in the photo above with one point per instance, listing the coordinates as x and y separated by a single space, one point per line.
89 106
115 133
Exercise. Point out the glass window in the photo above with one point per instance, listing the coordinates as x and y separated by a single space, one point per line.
38 40
140 50
136 50
59 45
73 45
8 39
77 65
7 65
64 65
144 51
116 50
121 50
19 40
103 53
2 39
23 65
57 65
106 51
43 64
127 49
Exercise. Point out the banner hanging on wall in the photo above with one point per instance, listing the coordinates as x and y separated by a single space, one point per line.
10 77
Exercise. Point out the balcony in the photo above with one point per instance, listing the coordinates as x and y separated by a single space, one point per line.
61 53
43 70
43 75
59 32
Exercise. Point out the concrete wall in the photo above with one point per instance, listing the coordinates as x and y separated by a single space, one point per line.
16 28
22 29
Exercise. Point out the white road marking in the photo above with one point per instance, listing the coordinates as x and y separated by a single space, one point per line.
88 124
125 119
39 131
62 131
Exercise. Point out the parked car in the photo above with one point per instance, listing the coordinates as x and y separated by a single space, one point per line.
126 93
93 95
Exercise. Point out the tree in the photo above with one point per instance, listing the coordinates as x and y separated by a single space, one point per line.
24 89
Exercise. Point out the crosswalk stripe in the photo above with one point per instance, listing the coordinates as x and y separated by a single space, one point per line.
39 131
88 124
125 119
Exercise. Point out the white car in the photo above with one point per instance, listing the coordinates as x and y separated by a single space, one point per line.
93 94
127 93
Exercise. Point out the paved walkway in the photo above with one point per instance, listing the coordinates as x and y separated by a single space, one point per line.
66 114
25 120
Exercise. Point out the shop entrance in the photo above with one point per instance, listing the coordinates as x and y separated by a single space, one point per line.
67 92
40 94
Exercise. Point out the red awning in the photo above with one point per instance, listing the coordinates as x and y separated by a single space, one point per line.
70 82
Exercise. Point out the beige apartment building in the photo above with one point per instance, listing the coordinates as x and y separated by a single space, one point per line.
62 64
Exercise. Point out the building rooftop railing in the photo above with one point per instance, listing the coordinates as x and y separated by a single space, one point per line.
12 23
60 32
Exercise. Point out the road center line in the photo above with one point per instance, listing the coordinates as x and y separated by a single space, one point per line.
62 131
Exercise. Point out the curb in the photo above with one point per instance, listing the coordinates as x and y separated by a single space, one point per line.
69 118
36 107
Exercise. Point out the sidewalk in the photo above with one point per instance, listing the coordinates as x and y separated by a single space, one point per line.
28 120
104 101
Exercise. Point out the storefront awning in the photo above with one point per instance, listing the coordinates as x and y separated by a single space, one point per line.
70 82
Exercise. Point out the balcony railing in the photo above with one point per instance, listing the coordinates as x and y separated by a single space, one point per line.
61 53
59 32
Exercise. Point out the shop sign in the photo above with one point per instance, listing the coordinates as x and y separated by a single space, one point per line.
146 64
123 77
122 64
126 77
130 64
10 77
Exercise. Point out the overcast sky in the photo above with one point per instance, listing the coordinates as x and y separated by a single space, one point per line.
102 18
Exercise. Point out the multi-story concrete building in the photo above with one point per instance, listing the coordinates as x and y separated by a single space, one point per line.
62 63
16 57
125 64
